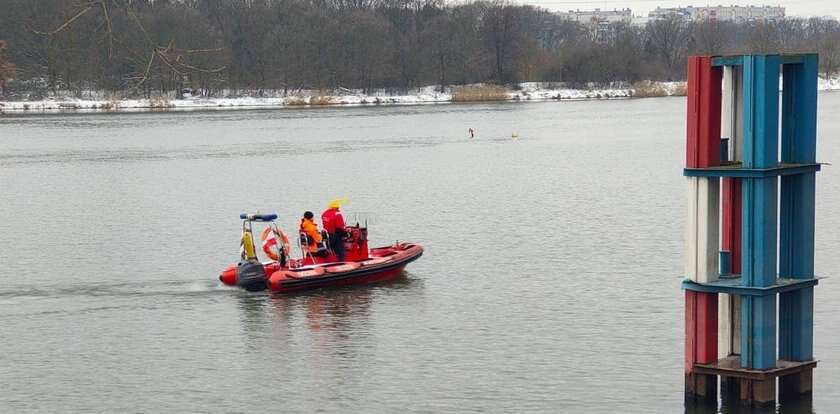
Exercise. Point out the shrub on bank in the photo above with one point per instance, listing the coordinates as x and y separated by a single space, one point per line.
314 100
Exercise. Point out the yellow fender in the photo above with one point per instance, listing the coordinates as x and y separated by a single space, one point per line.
247 244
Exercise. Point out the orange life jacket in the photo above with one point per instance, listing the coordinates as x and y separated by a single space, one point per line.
311 230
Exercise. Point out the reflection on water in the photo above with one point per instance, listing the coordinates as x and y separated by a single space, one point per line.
799 405
272 149
253 313
730 403
330 317
335 310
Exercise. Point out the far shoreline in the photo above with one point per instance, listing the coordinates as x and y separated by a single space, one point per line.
479 93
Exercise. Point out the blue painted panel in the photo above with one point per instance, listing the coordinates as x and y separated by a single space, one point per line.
796 226
725 262
786 59
789 116
724 149
796 221
807 107
733 286
761 110
796 325
738 60
799 111
758 231
735 171
758 331
728 61
799 121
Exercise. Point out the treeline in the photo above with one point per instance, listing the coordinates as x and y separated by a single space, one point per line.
146 47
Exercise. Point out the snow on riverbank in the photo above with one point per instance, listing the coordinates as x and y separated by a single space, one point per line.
528 91
830 84
428 95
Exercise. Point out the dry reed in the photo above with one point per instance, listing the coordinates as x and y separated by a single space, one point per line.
648 89
479 93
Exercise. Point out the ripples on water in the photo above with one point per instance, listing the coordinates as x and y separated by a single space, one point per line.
551 275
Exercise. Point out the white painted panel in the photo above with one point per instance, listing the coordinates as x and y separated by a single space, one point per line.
736 149
724 325
736 324
727 105
703 229
691 230
708 229
733 111
729 325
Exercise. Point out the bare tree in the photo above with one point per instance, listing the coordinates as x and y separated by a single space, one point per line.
829 47
710 37
667 41
102 12
764 38
437 42
500 27
825 37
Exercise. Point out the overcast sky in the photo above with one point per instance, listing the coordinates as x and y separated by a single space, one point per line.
792 7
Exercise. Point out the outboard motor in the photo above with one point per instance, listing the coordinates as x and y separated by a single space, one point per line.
251 275
250 272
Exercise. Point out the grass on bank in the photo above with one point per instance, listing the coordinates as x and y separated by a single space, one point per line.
479 93
648 89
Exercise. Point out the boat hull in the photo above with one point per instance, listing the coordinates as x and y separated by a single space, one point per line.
384 264
381 272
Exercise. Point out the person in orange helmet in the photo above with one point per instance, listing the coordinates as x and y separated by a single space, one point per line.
310 229
333 223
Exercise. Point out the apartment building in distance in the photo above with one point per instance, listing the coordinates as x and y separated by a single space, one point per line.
599 16
721 13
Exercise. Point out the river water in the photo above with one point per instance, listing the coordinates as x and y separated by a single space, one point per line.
550 283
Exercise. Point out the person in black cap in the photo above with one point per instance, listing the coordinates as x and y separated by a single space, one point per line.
310 229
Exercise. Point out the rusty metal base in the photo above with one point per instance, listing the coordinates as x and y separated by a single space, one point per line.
700 387
753 385
731 367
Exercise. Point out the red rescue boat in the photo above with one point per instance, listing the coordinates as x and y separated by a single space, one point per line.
316 269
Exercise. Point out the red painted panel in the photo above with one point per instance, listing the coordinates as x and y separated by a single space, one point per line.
690 330
693 103
710 113
731 222
701 328
707 327
704 106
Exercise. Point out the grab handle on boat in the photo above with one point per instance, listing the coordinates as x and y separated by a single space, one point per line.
258 217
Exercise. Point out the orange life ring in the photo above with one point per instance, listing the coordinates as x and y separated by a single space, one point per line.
268 243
